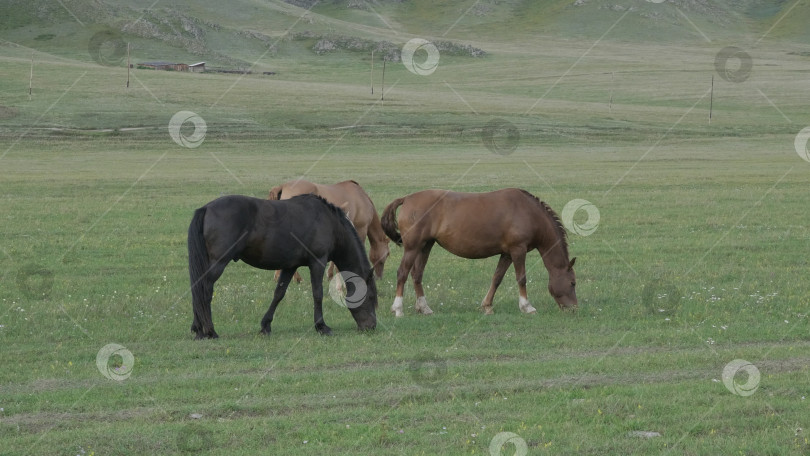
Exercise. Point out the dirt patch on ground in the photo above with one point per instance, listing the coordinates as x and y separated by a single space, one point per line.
7 112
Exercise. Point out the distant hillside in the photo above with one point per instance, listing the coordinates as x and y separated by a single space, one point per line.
233 33
510 20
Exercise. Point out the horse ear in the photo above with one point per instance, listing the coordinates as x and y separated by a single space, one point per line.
571 264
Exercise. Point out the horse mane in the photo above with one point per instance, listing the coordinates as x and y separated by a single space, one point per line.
555 219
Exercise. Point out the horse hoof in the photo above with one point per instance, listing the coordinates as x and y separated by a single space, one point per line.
488 311
422 307
325 331
397 307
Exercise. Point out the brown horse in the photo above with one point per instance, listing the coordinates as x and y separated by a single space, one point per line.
355 202
508 222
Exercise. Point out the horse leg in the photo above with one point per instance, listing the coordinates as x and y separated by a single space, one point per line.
497 278
278 295
203 324
295 276
519 258
316 271
416 274
402 276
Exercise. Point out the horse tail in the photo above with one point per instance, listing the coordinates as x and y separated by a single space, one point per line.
275 193
389 221
198 265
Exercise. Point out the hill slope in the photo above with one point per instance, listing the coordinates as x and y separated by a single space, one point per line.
234 34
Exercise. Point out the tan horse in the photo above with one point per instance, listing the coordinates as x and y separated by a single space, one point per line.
508 222
355 202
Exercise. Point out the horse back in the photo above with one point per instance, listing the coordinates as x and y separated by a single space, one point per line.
471 225
269 234
296 187
354 201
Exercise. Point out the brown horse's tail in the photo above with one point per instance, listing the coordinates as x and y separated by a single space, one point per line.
389 221
198 265
275 193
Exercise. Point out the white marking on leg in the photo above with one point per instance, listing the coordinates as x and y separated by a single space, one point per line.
397 307
525 307
422 307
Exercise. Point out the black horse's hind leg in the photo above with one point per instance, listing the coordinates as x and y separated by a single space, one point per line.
281 288
316 271
203 324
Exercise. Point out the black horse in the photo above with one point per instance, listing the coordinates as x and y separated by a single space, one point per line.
302 231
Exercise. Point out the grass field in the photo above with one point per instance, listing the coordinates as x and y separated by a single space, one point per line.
699 257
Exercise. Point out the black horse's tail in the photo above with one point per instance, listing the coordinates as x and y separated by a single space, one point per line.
389 221
198 266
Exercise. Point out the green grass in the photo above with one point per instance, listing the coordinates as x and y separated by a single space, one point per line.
713 212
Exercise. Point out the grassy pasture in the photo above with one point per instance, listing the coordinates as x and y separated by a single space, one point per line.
93 253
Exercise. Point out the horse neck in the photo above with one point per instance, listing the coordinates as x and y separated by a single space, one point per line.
376 235
552 245
350 253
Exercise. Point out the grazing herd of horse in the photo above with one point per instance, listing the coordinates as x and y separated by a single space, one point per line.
303 224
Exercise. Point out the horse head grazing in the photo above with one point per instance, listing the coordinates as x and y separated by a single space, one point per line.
275 193
562 286
361 299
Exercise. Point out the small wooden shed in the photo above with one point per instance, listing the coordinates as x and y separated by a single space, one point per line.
167 66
